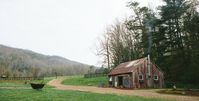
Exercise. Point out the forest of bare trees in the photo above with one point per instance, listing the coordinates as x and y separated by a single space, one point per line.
24 63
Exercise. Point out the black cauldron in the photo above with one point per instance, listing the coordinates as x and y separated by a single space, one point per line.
37 86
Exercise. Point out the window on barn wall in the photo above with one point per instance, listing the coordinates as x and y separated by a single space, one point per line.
141 77
155 77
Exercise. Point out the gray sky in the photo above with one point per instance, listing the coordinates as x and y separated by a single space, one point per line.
67 28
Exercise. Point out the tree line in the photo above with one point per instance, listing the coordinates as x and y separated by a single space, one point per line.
170 34
26 67
23 63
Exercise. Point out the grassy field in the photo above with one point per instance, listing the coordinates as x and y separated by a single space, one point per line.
23 83
49 94
80 80
18 91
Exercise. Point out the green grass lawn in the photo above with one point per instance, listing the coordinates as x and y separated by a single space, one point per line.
49 94
21 83
80 80
26 93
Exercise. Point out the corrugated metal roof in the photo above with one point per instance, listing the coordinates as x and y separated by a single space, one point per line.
127 67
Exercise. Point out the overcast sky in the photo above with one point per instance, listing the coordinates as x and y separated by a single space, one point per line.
67 28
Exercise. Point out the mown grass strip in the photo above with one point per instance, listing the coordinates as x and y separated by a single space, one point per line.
48 94
80 80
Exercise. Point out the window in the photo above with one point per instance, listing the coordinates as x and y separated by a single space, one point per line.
155 77
141 77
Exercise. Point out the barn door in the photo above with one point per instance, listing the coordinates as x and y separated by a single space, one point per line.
120 80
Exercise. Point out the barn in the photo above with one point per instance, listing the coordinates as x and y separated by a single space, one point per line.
140 73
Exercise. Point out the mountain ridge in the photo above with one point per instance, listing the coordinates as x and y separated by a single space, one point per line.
23 62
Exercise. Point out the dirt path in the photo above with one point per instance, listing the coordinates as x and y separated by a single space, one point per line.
142 93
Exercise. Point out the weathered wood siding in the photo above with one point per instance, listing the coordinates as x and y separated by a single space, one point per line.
154 71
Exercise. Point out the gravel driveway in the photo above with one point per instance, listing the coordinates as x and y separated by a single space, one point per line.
141 93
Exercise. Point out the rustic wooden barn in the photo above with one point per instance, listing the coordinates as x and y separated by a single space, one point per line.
139 73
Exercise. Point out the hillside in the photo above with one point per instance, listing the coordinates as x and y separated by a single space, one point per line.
20 62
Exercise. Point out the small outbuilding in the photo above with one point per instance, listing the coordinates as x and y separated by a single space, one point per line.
140 73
